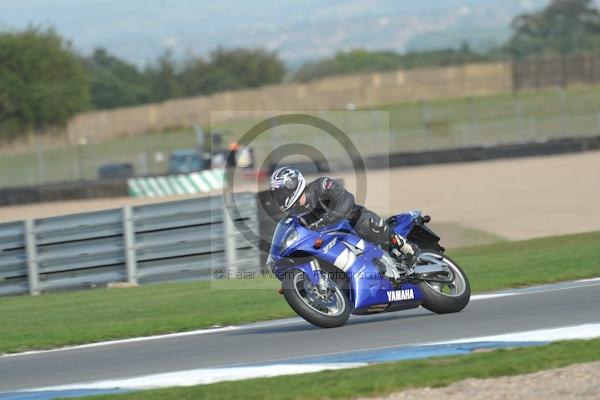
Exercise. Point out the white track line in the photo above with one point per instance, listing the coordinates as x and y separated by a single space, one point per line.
201 376
589 280
586 331
206 331
288 321
531 290
212 375
490 296
123 341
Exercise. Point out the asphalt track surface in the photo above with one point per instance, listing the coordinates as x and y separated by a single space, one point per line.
293 340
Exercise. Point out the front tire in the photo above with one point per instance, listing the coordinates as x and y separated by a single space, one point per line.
443 298
325 309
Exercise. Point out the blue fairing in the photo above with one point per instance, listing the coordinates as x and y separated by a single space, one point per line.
403 223
294 247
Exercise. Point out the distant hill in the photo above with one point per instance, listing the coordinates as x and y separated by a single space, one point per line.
140 30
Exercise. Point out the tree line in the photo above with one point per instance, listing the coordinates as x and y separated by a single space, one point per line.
44 81
563 28
116 83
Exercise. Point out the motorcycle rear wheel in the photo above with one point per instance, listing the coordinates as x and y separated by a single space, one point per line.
443 298
329 309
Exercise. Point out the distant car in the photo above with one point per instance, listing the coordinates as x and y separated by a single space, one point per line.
186 160
116 171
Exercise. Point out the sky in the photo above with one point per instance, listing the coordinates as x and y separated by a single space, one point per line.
140 30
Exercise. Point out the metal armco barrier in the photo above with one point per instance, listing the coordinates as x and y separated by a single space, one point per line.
169 241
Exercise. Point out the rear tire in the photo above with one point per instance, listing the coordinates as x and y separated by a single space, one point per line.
442 303
293 290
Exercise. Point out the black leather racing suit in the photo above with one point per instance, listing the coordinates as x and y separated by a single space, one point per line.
331 202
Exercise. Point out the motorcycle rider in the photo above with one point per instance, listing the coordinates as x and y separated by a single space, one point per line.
331 202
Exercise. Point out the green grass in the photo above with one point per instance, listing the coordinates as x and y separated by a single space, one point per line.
452 122
531 262
53 320
386 378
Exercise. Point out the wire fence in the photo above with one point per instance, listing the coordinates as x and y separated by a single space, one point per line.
523 117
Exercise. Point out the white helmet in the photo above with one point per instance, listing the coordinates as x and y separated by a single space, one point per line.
286 185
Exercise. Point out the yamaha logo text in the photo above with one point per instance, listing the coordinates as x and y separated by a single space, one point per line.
398 295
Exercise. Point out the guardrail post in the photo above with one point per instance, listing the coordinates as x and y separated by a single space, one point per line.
33 275
229 233
129 242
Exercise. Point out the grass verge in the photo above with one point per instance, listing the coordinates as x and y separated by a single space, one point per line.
530 262
386 378
60 319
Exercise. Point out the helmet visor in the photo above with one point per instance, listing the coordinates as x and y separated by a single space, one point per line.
282 196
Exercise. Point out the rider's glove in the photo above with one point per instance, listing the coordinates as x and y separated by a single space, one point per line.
325 220
317 224
329 219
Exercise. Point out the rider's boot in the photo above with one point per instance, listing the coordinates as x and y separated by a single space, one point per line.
402 252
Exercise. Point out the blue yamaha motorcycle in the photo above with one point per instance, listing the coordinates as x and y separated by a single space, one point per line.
329 273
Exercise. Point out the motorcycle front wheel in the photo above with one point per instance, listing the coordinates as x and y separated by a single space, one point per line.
325 308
